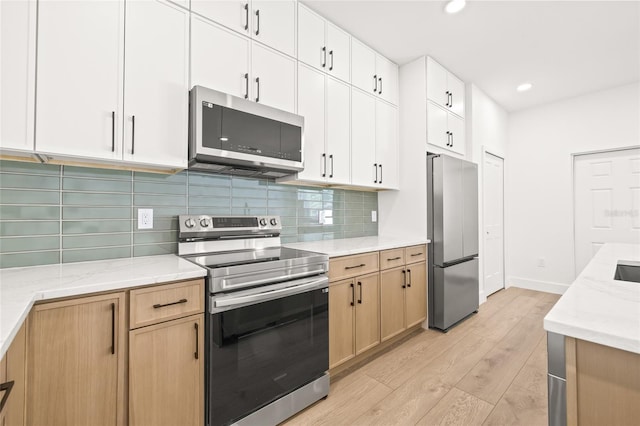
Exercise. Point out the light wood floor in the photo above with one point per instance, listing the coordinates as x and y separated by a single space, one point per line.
489 370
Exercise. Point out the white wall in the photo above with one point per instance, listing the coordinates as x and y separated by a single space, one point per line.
539 180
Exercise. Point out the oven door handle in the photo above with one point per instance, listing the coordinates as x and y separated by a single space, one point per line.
275 280
229 301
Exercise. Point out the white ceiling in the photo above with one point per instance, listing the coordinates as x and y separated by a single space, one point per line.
565 48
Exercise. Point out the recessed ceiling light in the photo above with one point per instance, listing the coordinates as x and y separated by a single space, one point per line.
455 6
524 87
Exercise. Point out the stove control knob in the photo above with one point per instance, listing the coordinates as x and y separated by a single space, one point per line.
204 222
190 223
263 222
274 222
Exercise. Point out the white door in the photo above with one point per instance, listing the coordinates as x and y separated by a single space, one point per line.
387 73
493 189
79 78
338 111
606 201
311 105
274 24
339 53
386 145
233 14
456 89
17 61
457 133
312 49
273 78
363 67
437 126
213 45
437 83
156 84
364 168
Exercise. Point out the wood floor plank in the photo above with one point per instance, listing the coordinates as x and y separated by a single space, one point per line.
501 323
457 408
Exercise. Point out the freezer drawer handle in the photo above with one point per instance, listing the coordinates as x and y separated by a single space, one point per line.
356 266
158 305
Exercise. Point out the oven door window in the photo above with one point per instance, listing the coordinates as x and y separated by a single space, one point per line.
261 352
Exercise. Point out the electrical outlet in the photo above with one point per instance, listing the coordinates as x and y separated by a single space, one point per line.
145 218
325 217
541 262
374 216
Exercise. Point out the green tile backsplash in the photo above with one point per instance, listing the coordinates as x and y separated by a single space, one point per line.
57 214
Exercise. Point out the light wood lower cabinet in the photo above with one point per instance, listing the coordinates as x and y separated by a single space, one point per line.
166 373
12 373
416 294
392 285
76 362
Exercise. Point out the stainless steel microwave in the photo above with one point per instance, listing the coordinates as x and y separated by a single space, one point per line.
232 135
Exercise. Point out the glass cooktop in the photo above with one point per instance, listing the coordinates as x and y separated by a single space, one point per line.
245 257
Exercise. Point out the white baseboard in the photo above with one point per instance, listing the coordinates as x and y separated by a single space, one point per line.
546 286
482 297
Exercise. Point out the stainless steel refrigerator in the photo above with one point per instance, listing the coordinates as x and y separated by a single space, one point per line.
452 186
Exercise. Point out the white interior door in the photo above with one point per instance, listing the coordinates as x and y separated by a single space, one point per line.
606 201
493 189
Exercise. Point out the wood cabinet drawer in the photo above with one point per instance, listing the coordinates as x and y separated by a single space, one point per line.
352 266
391 258
161 303
416 253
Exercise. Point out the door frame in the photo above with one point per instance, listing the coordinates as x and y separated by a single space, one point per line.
498 154
574 156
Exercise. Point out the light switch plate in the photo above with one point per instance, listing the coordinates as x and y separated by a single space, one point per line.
145 218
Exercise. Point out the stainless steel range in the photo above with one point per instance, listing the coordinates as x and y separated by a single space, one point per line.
267 327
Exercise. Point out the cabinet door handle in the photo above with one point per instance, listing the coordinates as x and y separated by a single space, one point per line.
375 167
353 294
450 99
375 83
416 254
258 22
331 57
246 16
6 386
380 165
158 305
324 56
356 266
246 85
360 298
404 279
447 103
196 354
324 159
113 329
409 275
448 138
390 259
113 131
451 133
331 158
258 92
133 134
380 91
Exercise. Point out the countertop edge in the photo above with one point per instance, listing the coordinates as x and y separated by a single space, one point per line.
616 342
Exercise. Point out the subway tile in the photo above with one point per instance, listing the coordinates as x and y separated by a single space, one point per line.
95 185
281 187
92 199
208 179
155 237
145 200
95 226
159 224
95 240
282 196
210 211
309 195
155 249
210 191
305 204
238 182
15 260
248 193
249 211
28 167
352 212
30 212
161 177
96 212
96 173
8 180
162 212
249 202
282 211
22 243
354 197
288 221
292 203
28 228
209 202
158 188
289 239
83 255
24 196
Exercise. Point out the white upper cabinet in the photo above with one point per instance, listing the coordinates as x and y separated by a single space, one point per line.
387 145
445 129
373 73
79 78
311 105
273 78
444 88
338 131
233 14
156 84
17 75
212 45
323 45
274 24
457 138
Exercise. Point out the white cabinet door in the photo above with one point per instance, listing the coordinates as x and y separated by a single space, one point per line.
339 53
312 49
387 73
386 145
233 14
437 126
274 24
219 58
457 130
338 131
456 88
156 84
363 67
79 78
311 106
17 76
363 139
437 83
273 78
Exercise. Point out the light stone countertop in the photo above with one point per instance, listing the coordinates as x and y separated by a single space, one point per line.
21 287
599 309
348 246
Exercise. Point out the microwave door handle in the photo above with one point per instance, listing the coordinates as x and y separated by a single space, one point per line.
269 295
